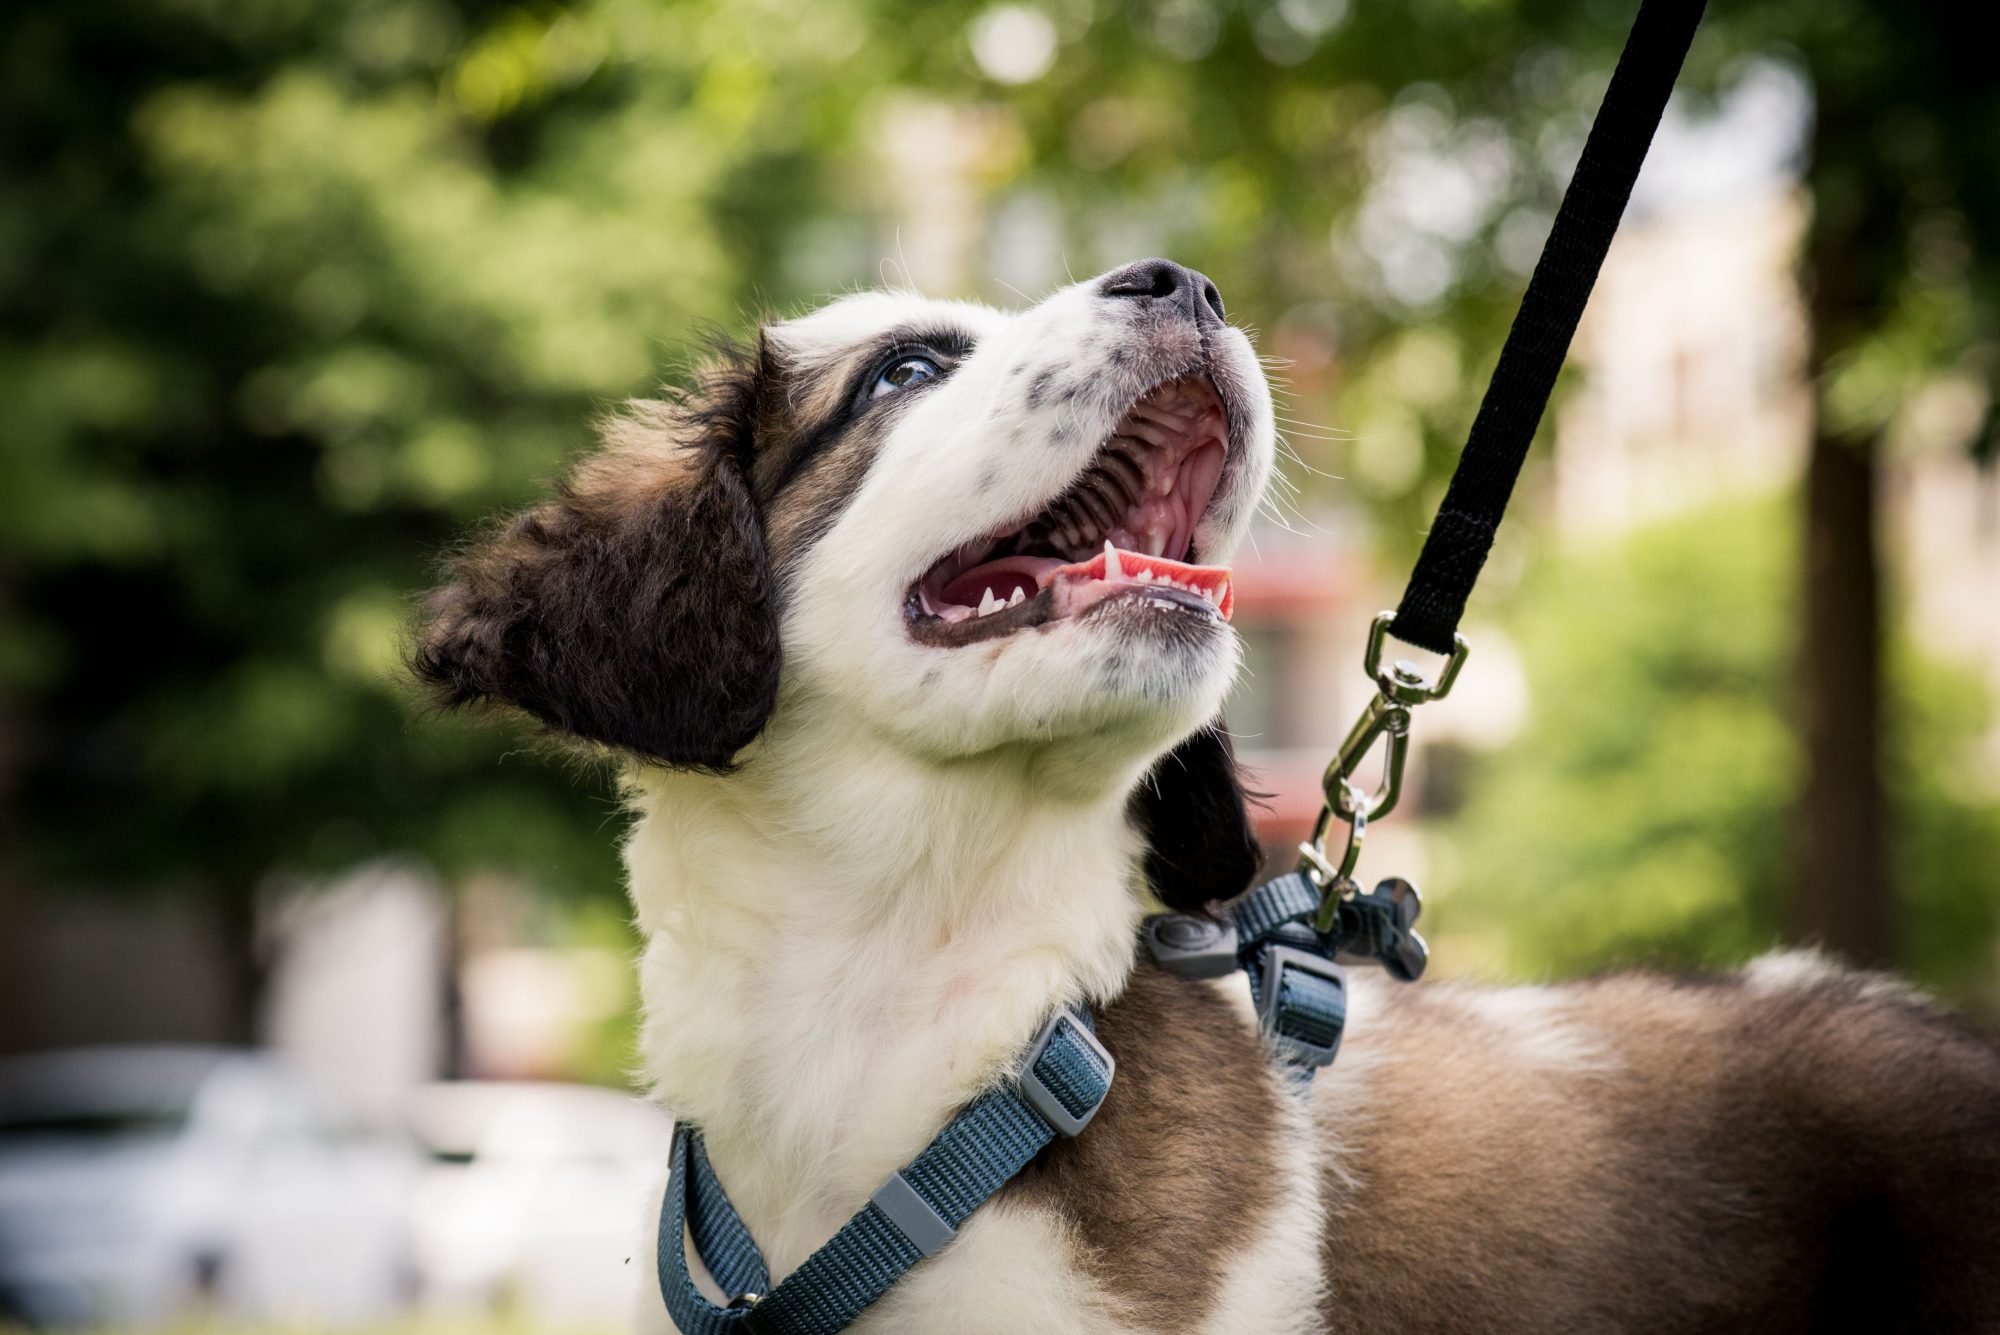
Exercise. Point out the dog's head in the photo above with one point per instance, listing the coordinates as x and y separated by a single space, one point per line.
967 531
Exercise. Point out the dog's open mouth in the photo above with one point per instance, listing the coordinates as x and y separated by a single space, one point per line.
1123 528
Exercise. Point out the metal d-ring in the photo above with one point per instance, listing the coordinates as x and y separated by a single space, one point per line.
1313 859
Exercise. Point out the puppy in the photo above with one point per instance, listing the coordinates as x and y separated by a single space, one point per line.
910 753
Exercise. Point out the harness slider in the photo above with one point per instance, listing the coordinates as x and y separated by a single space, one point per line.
1302 1005
1044 1097
914 1217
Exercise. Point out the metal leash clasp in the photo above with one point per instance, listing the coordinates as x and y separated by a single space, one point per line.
1400 687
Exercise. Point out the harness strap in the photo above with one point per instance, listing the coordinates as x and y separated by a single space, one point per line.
1477 496
1280 901
1299 992
1296 980
1062 1082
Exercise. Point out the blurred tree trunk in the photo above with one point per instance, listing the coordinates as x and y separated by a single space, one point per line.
1843 897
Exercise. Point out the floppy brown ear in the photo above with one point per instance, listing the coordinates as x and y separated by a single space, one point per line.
635 609
1195 814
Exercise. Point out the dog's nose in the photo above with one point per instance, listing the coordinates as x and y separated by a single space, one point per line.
1163 280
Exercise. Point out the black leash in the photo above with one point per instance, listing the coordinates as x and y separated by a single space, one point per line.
1476 498
1463 533
1293 933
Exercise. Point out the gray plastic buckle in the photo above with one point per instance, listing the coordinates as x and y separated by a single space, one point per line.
913 1216
1275 960
1043 1099
1192 945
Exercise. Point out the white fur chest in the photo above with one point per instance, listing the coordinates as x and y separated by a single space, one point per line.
821 1014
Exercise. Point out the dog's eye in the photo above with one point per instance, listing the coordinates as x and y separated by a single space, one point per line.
906 371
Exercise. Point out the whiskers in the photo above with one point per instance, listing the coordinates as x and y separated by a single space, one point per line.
1281 503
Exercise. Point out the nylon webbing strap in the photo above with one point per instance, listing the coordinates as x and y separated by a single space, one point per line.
1477 496
1299 993
912 1214
1260 912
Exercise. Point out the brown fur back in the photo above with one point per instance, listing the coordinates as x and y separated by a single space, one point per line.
1799 1149
1792 1149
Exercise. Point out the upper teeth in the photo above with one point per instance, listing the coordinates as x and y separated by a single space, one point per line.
991 603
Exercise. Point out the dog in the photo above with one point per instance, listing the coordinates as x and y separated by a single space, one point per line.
908 627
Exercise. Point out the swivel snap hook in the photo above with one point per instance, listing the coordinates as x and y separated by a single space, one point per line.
1400 687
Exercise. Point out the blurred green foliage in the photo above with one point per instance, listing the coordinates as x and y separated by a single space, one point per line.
292 291
295 291
1643 816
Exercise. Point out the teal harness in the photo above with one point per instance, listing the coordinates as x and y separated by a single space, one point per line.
1058 1088
1300 990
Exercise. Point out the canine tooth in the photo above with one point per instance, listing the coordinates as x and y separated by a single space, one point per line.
989 603
1112 570
1020 595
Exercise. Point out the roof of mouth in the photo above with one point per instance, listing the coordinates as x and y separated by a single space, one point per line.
1143 493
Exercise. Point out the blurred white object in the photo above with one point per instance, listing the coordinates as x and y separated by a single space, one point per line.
355 995
533 1197
137 1184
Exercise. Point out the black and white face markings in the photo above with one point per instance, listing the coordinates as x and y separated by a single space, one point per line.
957 592
820 507
822 420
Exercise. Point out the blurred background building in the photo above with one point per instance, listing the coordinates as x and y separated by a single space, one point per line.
293 294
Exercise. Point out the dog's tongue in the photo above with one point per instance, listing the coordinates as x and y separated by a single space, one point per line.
1114 566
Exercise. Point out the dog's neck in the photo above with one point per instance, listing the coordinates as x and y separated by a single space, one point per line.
845 944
